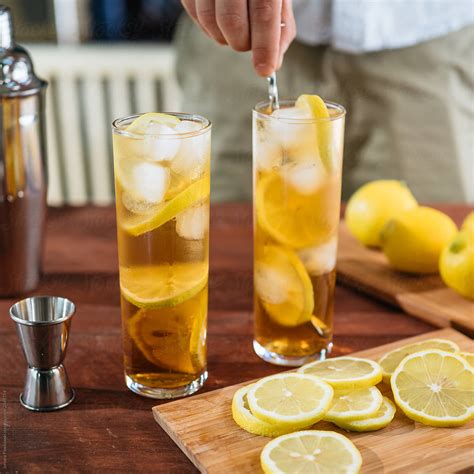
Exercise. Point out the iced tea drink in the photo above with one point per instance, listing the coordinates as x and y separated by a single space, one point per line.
297 158
162 173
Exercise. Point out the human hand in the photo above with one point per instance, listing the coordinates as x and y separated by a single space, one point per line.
246 25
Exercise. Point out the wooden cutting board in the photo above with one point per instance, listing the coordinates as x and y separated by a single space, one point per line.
203 428
423 296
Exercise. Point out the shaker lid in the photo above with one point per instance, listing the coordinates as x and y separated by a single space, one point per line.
17 76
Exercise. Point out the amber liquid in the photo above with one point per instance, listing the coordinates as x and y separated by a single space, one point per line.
305 340
164 347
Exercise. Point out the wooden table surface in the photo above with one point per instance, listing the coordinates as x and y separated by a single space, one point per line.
108 428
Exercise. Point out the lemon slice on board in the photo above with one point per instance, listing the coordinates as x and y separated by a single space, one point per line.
435 388
319 111
381 419
159 335
354 405
138 224
290 399
283 286
294 219
142 123
247 421
390 361
160 286
469 356
311 452
345 373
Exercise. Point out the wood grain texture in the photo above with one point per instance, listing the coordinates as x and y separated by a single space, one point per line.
203 428
108 428
423 296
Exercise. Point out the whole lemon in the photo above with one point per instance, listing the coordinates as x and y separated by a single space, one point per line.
414 239
456 264
468 223
372 205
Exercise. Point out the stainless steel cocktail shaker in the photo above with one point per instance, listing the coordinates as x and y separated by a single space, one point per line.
22 165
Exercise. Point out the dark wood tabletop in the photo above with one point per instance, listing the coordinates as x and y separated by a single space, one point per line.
108 428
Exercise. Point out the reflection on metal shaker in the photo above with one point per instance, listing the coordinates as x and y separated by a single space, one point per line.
22 165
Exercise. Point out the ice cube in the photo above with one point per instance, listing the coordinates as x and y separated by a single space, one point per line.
193 223
159 147
289 132
135 205
266 153
290 113
320 259
270 284
306 177
187 126
194 151
148 182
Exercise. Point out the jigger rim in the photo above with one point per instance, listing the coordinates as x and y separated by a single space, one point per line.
26 322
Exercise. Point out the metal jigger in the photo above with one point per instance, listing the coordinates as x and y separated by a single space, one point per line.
43 324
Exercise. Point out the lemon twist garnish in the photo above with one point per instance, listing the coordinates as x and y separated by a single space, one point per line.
319 111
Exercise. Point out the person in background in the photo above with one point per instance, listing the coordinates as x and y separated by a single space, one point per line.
403 69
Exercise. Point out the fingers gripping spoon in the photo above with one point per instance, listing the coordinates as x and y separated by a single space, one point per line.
272 86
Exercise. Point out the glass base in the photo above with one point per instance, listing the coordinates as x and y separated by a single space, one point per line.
278 359
166 393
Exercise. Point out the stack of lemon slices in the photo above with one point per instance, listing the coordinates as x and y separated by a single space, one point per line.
432 382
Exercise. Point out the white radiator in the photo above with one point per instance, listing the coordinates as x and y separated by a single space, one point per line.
89 86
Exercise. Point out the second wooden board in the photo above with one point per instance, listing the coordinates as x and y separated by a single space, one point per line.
423 296
202 426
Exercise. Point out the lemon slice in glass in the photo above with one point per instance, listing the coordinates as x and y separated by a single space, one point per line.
197 343
390 361
143 123
319 111
345 373
160 286
354 405
138 224
381 419
160 334
435 388
283 286
469 356
295 219
311 452
247 421
314 103
290 400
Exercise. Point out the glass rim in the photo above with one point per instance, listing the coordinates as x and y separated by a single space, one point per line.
206 126
333 105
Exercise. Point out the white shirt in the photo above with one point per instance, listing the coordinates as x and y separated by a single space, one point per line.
360 26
